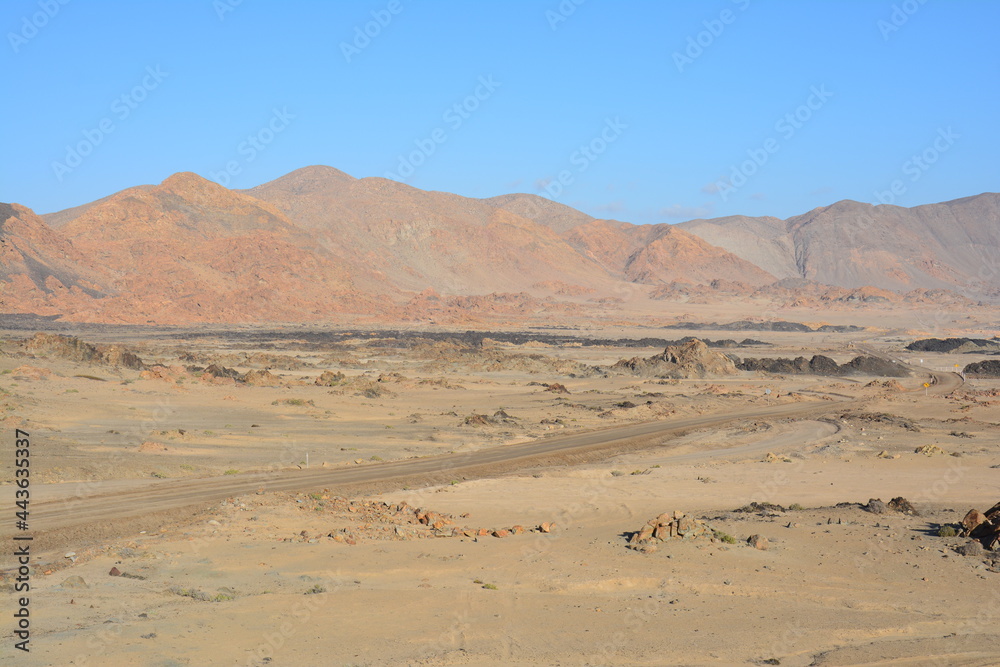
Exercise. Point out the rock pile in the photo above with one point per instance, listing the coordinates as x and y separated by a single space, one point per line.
691 360
669 526
379 520
823 365
74 349
898 504
983 527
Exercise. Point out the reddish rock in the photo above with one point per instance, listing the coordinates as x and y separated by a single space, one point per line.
758 542
973 520
115 572
503 532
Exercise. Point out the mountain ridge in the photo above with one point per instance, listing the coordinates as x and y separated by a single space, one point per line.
318 243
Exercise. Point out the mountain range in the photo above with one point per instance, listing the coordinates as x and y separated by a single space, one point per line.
317 243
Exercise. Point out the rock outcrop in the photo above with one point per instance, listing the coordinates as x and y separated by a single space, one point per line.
691 360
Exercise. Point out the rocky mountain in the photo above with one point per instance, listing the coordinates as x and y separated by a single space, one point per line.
953 245
421 240
40 270
189 250
318 243
658 254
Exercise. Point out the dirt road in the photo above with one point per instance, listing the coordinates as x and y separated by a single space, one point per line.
115 511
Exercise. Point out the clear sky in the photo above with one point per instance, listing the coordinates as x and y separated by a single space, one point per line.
638 111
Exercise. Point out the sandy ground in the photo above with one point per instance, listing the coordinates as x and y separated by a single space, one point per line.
311 579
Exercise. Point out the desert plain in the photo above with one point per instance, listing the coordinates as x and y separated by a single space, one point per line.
301 495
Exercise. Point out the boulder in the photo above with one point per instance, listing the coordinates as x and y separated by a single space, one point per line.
972 520
902 505
668 526
758 542
971 549
876 506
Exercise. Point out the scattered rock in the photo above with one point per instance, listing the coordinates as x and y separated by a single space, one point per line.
929 450
115 572
258 378
973 520
760 508
971 549
758 542
74 349
330 379
876 506
902 505
557 388
667 526
988 532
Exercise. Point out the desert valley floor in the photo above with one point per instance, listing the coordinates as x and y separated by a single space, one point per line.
779 558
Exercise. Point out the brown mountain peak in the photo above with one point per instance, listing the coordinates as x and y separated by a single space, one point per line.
308 179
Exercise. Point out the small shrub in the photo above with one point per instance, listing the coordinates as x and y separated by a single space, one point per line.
947 530
490 587
796 506
723 537
231 471
316 590
376 457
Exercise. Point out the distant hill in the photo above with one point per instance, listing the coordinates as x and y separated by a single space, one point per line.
953 245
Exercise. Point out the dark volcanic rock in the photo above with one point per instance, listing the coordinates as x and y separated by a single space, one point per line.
821 365
954 345
984 369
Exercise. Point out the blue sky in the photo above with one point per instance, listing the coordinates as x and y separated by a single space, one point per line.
639 111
